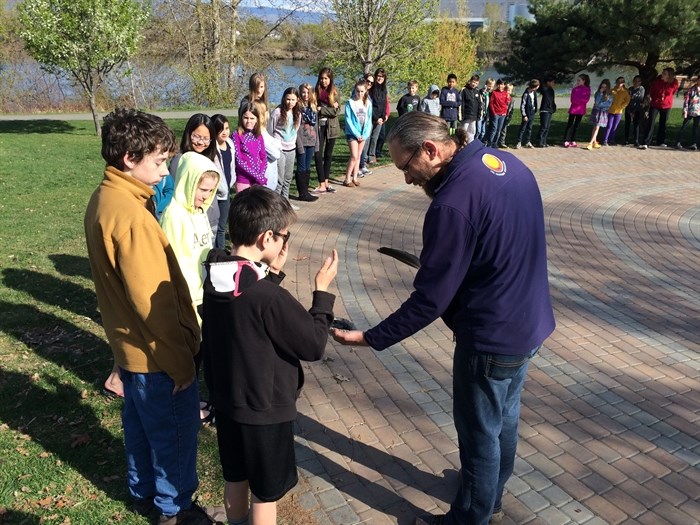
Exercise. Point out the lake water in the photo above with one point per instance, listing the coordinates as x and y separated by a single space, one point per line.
164 87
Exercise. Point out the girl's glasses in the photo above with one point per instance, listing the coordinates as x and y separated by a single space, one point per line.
196 139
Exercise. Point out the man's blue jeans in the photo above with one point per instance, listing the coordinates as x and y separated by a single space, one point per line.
486 410
160 438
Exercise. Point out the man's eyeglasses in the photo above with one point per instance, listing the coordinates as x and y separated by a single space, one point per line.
285 236
196 139
405 166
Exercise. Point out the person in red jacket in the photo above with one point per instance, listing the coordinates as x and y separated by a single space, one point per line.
661 92
498 109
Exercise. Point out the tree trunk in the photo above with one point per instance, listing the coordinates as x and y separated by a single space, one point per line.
95 116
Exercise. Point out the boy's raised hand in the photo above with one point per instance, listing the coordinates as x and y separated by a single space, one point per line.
327 272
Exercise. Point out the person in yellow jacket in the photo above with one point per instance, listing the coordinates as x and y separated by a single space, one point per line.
148 318
185 221
621 99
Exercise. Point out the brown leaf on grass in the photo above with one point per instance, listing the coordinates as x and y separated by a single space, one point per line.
22 451
44 455
83 394
45 502
78 440
34 377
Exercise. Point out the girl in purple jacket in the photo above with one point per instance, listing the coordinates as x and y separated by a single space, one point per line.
251 159
580 96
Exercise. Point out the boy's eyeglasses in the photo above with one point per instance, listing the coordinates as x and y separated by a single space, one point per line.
405 166
285 236
196 139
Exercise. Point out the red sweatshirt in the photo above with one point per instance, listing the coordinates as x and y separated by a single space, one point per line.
498 103
661 93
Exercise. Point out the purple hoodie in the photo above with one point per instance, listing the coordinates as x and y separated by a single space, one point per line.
251 159
580 96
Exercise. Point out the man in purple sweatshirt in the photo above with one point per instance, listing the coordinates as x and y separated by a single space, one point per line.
484 271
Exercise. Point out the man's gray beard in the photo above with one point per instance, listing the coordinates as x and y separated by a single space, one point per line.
432 184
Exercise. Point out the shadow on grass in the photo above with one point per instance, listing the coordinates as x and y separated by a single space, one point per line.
50 290
14 517
36 126
71 265
57 419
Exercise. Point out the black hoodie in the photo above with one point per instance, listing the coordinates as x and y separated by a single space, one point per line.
254 334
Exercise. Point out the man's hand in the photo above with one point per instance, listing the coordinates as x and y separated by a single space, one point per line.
180 388
350 337
327 272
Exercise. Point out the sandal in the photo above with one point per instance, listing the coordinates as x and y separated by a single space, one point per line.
350 184
330 189
356 182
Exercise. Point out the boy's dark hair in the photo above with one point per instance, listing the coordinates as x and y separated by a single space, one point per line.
451 76
136 133
549 78
475 77
256 210
533 84
500 82
412 83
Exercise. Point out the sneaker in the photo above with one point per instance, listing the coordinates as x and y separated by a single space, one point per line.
605 144
294 206
643 146
317 191
574 145
589 147
330 189
694 147
503 146
366 171
664 145
496 516
596 145
430 520
679 146
195 515
529 145
518 145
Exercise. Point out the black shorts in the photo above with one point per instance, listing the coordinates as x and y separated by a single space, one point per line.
261 454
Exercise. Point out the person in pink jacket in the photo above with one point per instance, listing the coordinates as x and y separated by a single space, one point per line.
580 96
661 91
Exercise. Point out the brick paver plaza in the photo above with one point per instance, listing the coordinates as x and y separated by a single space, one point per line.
610 421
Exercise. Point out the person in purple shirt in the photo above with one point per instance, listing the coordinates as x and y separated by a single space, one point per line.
484 271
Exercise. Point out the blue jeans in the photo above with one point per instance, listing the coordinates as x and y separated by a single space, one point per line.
486 410
224 205
545 123
160 438
304 159
495 127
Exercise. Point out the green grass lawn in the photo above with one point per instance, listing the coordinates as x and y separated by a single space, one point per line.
61 453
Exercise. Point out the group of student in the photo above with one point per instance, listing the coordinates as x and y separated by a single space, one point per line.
486 113
170 301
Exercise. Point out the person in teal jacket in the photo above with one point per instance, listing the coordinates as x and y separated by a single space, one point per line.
358 126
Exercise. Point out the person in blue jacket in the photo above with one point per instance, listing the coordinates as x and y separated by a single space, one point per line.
358 126
450 101
484 272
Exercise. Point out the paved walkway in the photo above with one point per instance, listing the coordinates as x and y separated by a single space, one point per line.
611 409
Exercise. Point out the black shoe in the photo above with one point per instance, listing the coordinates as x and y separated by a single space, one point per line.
195 515
307 198
430 520
143 507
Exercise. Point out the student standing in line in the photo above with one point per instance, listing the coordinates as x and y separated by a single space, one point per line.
358 126
470 107
634 112
691 111
548 106
328 102
284 124
661 93
379 99
450 101
509 116
307 141
498 109
251 161
226 162
599 115
580 96
621 99
528 109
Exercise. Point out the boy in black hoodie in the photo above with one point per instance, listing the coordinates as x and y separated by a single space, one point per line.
254 335
547 108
